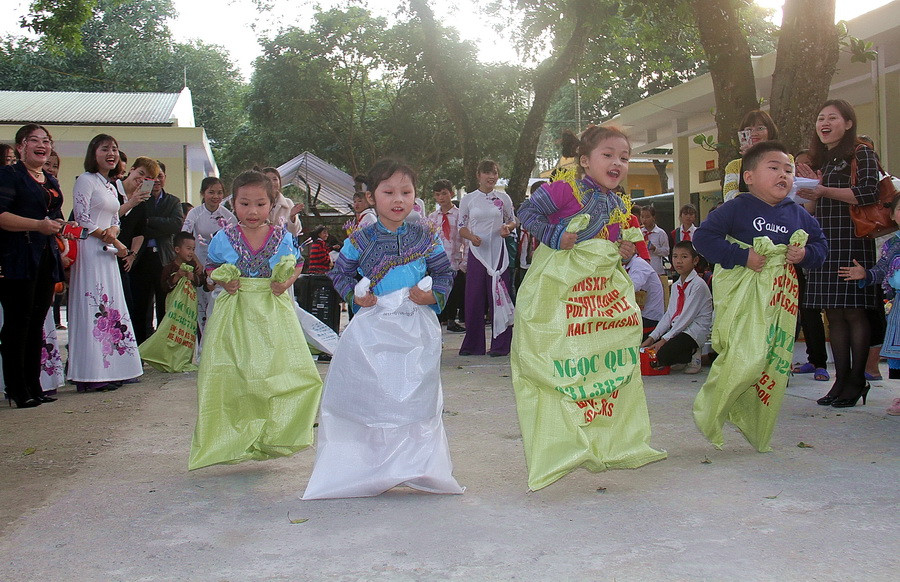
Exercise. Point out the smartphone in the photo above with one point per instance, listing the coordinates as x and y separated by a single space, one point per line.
744 137
78 232
146 187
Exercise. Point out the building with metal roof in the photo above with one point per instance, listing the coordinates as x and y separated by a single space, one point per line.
670 119
157 125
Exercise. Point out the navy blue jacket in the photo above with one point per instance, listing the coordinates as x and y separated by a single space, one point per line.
747 217
20 194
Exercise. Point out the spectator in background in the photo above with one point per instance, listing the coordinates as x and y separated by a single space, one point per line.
157 220
30 216
319 257
7 154
365 214
284 211
102 348
445 218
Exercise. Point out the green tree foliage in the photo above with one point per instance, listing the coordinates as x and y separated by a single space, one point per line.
126 45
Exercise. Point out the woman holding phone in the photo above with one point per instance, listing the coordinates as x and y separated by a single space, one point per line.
756 126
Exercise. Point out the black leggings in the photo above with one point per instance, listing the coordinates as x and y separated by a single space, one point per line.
850 336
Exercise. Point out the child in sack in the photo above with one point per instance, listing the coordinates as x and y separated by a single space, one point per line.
380 423
756 307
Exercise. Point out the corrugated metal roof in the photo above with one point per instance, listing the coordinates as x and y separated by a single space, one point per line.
87 108
337 186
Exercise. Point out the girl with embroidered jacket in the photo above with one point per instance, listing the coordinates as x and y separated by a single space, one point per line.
602 154
380 425
597 420
258 388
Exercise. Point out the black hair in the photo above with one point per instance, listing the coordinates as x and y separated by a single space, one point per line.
688 246
442 185
180 237
535 186
384 169
574 146
209 182
317 231
649 208
688 209
162 166
819 153
487 166
254 178
757 151
90 157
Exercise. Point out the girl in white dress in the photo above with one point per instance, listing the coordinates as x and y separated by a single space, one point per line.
102 349
204 222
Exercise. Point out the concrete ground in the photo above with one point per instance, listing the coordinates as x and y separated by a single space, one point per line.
95 487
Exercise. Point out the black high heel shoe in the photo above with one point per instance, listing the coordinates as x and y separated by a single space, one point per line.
829 398
45 399
851 402
30 403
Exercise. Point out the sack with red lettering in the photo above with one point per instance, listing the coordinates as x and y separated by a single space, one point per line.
575 364
171 347
753 333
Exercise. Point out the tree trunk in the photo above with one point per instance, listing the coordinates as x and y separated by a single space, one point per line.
728 53
433 61
661 166
807 58
548 78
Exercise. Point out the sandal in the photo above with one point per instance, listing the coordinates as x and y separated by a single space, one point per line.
873 377
821 375
806 368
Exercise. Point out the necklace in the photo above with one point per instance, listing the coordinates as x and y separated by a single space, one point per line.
38 174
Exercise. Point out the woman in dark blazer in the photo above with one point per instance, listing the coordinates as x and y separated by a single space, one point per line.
30 216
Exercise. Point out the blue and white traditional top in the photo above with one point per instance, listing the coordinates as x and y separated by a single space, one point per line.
392 261
229 245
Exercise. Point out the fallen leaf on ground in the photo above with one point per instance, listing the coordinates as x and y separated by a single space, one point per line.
803 445
774 496
601 489
29 451
706 461
300 520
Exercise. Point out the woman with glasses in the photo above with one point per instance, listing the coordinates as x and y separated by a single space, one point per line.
756 126
30 217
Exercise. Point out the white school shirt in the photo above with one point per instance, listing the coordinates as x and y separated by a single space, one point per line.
659 239
455 245
696 316
645 279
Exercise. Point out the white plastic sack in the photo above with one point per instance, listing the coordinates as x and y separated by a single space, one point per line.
380 423
317 333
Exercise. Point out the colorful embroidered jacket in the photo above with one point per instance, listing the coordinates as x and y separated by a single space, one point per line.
550 208
229 245
392 261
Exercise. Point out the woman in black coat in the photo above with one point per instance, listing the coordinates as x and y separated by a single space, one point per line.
30 217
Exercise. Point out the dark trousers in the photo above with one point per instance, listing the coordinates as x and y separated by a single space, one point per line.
479 298
25 304
455 299
677 350
810 321
146 288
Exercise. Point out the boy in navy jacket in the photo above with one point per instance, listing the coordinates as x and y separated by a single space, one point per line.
765 211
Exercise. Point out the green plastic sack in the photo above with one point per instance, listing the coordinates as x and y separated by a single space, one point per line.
575 364
258 388
171 347
753 333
